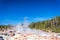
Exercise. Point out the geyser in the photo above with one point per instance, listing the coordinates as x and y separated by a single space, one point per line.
23 27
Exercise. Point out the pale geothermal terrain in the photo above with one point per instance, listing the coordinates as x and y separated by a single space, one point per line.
23 32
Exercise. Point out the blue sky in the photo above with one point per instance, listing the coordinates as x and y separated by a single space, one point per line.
14 11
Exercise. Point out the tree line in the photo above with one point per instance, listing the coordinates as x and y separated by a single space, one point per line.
5 27
52 25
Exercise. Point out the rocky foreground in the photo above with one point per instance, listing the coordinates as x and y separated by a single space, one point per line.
12 35
32 36
29 36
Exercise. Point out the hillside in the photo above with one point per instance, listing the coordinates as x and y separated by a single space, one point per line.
52 25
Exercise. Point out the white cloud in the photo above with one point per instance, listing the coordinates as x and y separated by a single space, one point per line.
25 18
29 19
39 19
